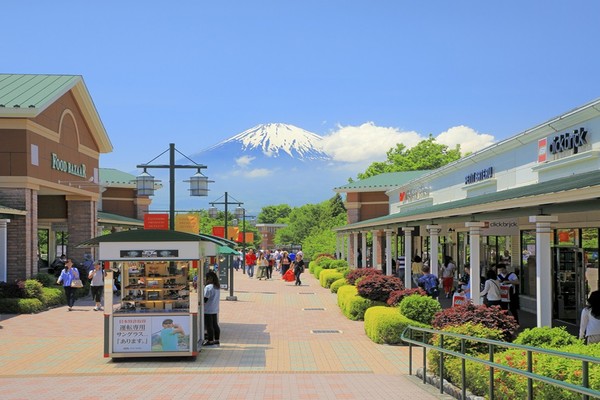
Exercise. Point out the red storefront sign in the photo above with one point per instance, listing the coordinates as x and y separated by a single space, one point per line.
156 221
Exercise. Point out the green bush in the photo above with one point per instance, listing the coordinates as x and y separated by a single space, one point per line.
328 276
48 280
472 348
326 263
33 289
419 308
546 337
317 271
338 284
386 324
351 304
20 306
337 264
52 297
510 386
344 294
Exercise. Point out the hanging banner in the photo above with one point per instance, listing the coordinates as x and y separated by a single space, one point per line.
218 231
249 237
187 223
156 221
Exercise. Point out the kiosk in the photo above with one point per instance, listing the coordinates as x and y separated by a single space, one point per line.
158 314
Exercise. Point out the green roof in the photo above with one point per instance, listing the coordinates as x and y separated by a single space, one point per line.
114 176
118 219
382 182
28 94
143 235
461 207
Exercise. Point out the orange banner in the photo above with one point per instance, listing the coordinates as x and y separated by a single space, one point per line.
187 223
249 237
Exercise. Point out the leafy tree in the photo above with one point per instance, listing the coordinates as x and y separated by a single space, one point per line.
310 226
274 214
426 155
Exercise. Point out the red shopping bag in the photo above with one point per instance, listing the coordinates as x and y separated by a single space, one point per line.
458 299
289 275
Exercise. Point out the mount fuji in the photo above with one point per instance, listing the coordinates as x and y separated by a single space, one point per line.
271 164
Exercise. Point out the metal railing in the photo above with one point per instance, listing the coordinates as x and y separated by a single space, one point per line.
421 337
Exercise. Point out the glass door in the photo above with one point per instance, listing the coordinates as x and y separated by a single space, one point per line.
569 283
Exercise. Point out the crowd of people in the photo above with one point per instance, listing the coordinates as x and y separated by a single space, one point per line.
289 265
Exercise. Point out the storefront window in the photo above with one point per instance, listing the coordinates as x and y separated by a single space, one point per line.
464 251
528 265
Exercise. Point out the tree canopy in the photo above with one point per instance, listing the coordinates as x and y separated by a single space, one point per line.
427 154
274 214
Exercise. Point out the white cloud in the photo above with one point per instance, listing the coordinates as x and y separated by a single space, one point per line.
469 139
366 142
244 161
258 173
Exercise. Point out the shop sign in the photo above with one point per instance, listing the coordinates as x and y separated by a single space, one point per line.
156 221
187 223
478 176
69 168
501 227
159 333
149 253
418 193
568 141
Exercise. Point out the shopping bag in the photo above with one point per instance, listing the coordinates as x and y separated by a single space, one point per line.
458 299
289 275
76 283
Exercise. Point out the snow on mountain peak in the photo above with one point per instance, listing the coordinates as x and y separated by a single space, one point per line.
274 138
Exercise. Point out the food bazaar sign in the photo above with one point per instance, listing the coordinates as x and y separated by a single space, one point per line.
69 168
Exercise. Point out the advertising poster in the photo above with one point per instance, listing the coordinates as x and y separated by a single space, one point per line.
138 334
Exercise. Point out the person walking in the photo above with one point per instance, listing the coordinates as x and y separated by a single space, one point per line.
429 282
448 270
250 263
298 268
262 263
590 319
96 277
491 289
67 276
285 262
511 279
212 297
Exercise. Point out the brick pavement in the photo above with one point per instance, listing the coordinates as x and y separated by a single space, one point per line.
269 350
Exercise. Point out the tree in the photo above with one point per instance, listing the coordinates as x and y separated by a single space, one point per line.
274 214
426 155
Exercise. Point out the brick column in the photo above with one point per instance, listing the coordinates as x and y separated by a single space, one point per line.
81 223
21 257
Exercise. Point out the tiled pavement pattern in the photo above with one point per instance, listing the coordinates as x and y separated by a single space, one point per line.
268 351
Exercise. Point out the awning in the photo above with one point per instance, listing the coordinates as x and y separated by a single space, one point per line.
115 219
228 250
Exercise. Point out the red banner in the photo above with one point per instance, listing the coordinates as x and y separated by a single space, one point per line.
218 231
156 221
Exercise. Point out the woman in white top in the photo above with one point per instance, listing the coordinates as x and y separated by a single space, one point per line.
590 319
492 289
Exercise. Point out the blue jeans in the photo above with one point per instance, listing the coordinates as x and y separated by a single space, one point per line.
250 270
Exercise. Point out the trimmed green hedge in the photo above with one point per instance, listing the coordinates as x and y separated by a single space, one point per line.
52 297
21 306
328 276
338 284
420 308
510 386
352 305
385 324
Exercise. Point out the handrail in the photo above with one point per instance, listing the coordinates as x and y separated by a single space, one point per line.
584 389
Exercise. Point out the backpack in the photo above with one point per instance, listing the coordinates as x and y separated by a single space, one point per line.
431 286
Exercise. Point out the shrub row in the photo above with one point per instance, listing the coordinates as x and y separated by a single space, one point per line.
30 296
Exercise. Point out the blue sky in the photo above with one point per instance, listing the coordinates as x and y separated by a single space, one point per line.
198 72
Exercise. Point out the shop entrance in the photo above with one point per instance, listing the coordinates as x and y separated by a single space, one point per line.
569 283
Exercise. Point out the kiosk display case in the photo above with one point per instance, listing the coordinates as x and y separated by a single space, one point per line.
158 313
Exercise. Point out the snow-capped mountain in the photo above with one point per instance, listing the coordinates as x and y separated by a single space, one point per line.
269 164
278 139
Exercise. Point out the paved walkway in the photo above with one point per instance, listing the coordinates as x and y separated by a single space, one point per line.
269 350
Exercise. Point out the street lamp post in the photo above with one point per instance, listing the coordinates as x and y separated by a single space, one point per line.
212 212
198 182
